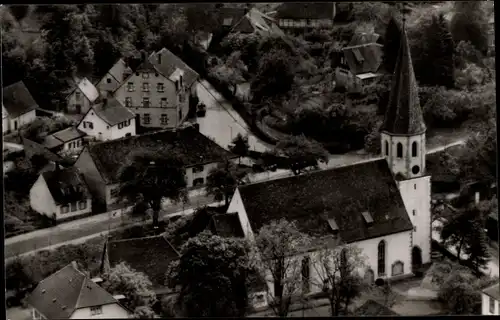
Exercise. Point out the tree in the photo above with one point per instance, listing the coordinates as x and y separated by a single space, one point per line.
134 285
337 270
19 11
212 276
300 153
392 42
16 276
144 312
223 180
278 244
154 175
239 145
459 294
469 24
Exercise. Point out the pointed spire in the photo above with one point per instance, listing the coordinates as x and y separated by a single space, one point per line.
403 113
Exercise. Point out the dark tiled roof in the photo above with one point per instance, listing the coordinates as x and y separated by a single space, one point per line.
151 256
60 294
71 181
493 291
119 69
363 58
341 194
68 134
298 10
226 225
191 144
32 148
17 100
170 62
404 114
113 112
373 308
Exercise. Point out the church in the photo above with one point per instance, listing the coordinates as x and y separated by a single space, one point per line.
383 207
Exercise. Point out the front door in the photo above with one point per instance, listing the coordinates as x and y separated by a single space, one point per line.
416 259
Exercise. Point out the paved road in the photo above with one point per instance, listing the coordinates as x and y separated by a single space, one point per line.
222 122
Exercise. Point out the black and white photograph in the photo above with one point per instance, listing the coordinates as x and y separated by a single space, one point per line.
264 159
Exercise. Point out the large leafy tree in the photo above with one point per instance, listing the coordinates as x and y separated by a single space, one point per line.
278 245
212 276
300 153
392 42
239 145
153 175
337 272
134 285
469 24
223 180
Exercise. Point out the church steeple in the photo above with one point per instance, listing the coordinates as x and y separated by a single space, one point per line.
403 113
403 130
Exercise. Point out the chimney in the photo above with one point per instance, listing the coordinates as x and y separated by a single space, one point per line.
159 58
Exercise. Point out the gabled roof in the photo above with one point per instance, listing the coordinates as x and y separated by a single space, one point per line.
226 225
373 308
404 114
61 137
342 194
112 111
363 58
255 20
66 185
196 149
88 89
17 100
32 148
169 63
493 291
302 10
119 69
60 294
150 255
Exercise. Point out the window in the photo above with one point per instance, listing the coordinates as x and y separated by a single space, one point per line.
180 115
108 80
64 209
197 169
147 118
164 119
120 125
381 258
414 212
73 207
386 148
145 87
145 102
145 75
78 96
414 228
114 192
400 150
182 98
163 103
198 181
306 275
160 87
82 205
414 149
128 102
90 124
397 268
414 186
130 87
492 305
95 311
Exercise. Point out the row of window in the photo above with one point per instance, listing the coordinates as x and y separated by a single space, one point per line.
301 23
88 124
145 87
81 205
75 144
399 149
124 124
146 101
94 311
146 118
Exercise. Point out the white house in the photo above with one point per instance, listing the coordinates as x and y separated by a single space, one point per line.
381 207
70 294
490 298
108 120
82 96
67 140
61 194
18 107
114 78
296 16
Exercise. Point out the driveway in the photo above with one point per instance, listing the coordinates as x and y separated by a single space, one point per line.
222 122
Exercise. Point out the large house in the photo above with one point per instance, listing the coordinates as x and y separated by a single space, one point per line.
490 298
81 96
256 22
381 207
100 162
68 140
18 107
360 62
300 17
70 294
61 194
108 120
118 73
159 90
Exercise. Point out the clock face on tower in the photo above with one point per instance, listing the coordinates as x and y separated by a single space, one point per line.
415 169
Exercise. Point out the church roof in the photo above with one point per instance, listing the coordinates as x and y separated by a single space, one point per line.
404 114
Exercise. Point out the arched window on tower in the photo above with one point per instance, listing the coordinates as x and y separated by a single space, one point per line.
386 148
400 150
381 258
414 149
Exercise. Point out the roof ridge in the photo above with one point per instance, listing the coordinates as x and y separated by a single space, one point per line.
81 289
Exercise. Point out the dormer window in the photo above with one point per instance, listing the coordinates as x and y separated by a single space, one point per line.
145 87
160 87
78 96
368 218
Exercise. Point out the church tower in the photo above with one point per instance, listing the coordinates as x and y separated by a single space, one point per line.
403 146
